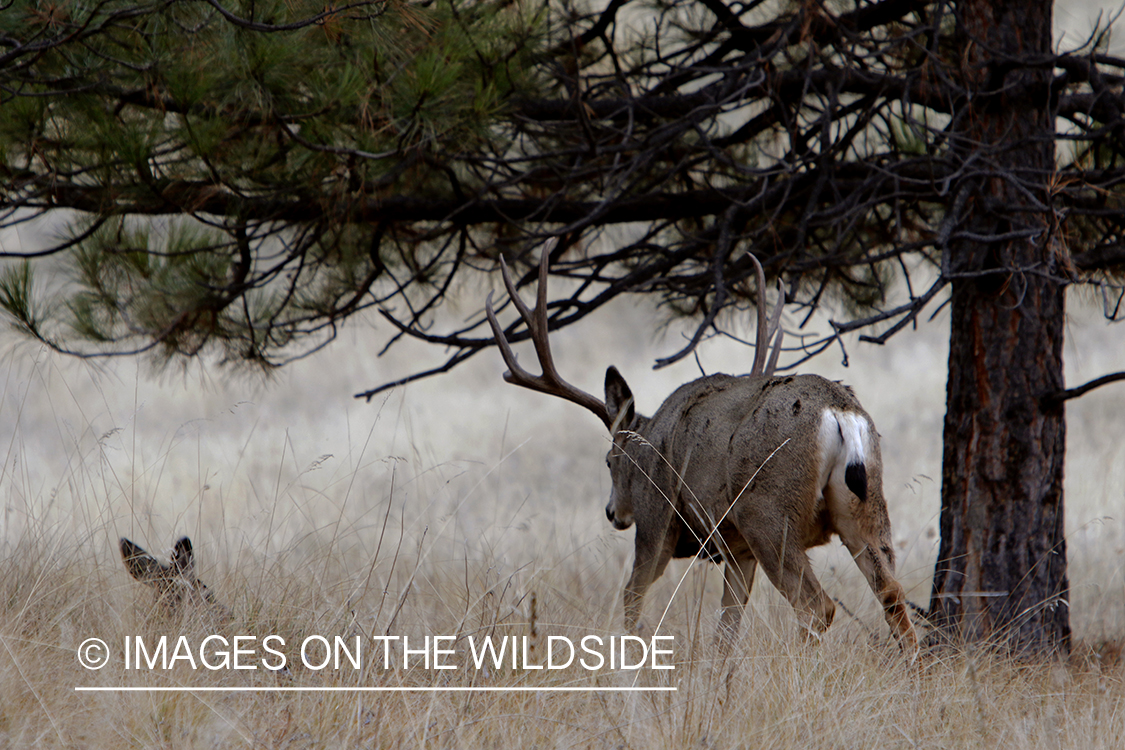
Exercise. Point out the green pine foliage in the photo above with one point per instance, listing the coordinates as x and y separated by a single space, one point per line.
190 108
17 298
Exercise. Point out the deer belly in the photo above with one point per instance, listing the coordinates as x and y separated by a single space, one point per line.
691 544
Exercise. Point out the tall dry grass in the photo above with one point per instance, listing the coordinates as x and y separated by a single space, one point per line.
443 510
852 690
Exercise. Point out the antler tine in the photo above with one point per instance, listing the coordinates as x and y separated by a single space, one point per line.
515 374
538 324
514 370
550 382
775 325
761 342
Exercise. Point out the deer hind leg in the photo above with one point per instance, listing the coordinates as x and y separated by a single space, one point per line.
874 557
787 566
738 578
891 595
877 567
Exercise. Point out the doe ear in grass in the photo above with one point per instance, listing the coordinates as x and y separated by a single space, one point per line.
175 582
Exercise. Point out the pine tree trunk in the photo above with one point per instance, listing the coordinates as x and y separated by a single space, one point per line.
1001 572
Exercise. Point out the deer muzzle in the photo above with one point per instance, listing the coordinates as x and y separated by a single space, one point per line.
620 521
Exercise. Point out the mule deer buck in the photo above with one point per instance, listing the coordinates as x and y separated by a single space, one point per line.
175 583
753 470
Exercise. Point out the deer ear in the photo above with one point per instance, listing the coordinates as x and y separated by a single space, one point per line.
140 564
183 559
618 400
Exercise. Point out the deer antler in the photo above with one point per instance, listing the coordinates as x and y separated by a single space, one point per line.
550 382
769 327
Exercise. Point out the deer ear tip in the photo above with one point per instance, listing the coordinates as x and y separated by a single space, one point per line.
614 379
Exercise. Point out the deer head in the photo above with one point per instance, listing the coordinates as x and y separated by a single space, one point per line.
175 583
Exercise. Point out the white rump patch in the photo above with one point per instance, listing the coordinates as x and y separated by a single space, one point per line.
843 440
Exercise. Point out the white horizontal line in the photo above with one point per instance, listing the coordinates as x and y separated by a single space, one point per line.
373 689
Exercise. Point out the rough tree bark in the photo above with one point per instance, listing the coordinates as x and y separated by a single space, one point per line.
1001 572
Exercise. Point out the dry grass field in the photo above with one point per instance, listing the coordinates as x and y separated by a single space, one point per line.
446 509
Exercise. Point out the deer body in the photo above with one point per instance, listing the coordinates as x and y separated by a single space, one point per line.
759 469
751 470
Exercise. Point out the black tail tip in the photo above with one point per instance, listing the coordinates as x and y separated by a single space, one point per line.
855 476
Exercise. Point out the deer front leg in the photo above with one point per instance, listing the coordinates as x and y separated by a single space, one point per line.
738 579
649 563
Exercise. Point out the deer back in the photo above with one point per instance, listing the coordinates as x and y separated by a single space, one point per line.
770 443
